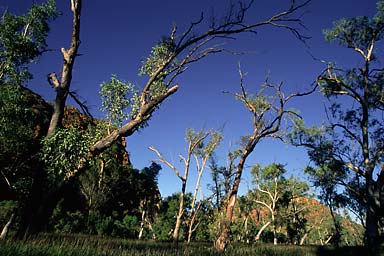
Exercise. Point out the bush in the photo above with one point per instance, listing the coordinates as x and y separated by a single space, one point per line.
72 222
128 227
105 226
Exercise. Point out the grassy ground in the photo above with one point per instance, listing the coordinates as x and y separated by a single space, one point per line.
72 245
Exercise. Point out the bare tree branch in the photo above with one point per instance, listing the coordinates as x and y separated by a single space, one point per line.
163 160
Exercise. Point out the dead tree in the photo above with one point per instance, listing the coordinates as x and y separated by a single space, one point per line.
62 87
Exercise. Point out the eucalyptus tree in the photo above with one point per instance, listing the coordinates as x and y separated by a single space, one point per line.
296 202
324 178
270 188
201 155
222 177
201 145
268 108
23 40
349 148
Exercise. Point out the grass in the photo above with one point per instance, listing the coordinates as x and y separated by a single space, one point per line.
79 245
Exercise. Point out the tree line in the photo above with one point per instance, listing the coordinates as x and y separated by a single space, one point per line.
52 155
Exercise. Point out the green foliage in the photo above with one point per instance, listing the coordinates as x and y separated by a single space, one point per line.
161 57
105 226
22 40
223 177
205 142
17 121
204 220
109 203
166 220
62 151
67 222
321 145
265 177
348 153
19 144
7 207
17 118
207 148
120 100
358 32
357 127
260 102
73 222
128 227
194 137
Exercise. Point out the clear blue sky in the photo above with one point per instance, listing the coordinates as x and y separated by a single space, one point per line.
117 35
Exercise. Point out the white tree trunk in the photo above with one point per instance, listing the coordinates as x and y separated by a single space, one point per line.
5 230
142 223
261 231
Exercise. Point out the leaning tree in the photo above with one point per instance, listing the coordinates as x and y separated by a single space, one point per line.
268 109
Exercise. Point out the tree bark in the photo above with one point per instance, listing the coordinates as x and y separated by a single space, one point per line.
223 238
257 237
179 214
374 239
142 223
302 239
274 229
5 230
62 87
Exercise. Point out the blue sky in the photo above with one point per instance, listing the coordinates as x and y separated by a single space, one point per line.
117 35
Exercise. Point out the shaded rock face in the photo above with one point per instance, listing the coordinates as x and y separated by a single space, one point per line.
24 122
72 118
41 109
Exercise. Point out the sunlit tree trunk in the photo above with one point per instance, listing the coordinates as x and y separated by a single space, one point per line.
142 224
223 238
6 227
180 213
257 237
203 152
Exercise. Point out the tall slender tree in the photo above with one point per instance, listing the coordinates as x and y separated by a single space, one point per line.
201 155
199 143
352 141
